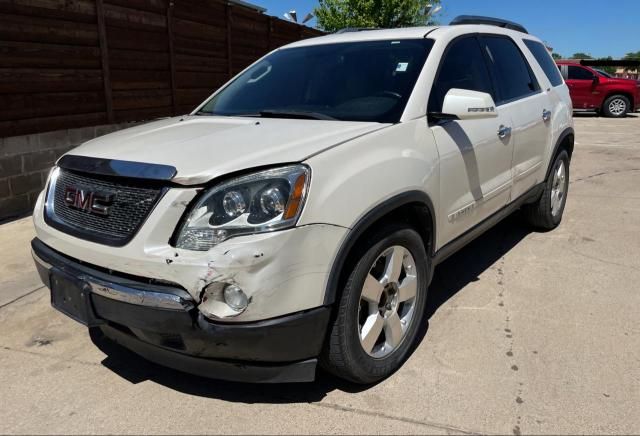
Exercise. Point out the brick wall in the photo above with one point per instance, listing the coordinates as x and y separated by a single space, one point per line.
25 162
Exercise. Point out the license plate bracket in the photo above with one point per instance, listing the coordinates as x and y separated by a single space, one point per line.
72 296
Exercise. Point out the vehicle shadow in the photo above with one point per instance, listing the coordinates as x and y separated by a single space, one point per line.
136 370
450 277
469 263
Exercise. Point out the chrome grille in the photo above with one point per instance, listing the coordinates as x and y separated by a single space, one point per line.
132 204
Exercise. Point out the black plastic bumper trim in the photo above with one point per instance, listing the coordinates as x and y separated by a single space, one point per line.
298 372
185 337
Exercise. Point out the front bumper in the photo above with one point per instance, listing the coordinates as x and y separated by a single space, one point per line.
162 324
281 272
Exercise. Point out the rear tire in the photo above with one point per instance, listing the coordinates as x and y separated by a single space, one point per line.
381 308
546 213
616 106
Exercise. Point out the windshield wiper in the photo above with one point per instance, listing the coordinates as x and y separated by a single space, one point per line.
299 115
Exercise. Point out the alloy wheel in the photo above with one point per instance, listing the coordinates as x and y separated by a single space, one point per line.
618 107
558 188
387 302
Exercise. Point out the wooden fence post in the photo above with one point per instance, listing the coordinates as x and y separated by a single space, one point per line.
104 52
172 58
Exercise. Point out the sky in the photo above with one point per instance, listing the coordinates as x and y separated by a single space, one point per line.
569 26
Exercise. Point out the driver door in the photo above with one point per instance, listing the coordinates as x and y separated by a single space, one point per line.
582 86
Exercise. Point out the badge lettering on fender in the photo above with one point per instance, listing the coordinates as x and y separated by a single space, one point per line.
482 109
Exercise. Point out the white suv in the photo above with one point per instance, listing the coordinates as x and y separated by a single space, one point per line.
297 215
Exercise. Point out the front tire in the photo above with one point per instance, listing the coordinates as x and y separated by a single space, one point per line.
381 307
616 106
546 213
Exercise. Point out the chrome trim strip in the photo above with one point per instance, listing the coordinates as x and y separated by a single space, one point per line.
158 300
40 261
125 294
118 168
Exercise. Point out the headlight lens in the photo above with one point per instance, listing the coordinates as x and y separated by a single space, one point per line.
261 202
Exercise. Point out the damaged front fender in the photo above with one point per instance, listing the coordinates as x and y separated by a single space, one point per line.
280 272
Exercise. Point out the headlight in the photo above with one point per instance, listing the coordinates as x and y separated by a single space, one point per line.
261 202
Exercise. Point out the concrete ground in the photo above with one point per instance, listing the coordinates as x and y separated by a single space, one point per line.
527 333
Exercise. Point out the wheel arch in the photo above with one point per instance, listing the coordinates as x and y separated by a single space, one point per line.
413 207
565 141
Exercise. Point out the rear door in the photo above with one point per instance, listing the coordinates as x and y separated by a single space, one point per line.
529 106
582 87
475 162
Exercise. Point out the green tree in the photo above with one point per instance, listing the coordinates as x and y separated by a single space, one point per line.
556 56
581 55
338 14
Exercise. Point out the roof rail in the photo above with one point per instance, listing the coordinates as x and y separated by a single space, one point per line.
355 29
474 19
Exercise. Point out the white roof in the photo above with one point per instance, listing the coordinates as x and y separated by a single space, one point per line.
366 35
406 33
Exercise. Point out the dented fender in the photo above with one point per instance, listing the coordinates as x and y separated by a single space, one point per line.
280 272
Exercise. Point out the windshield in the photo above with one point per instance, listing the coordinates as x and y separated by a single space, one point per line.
361 81
603 73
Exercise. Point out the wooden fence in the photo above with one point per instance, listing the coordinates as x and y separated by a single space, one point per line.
74 63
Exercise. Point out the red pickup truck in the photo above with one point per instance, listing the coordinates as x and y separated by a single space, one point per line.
594 90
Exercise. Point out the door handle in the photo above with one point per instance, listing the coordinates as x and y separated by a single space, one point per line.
546 115
504 132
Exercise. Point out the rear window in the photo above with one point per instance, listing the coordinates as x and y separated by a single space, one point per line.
540 52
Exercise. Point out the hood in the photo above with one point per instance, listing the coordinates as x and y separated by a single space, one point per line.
202 148
621 81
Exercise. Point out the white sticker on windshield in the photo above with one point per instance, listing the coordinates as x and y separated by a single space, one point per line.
402 67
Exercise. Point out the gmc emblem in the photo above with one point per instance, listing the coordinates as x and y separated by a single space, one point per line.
97 203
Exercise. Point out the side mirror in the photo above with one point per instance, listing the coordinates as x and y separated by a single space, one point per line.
596 79
464 104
